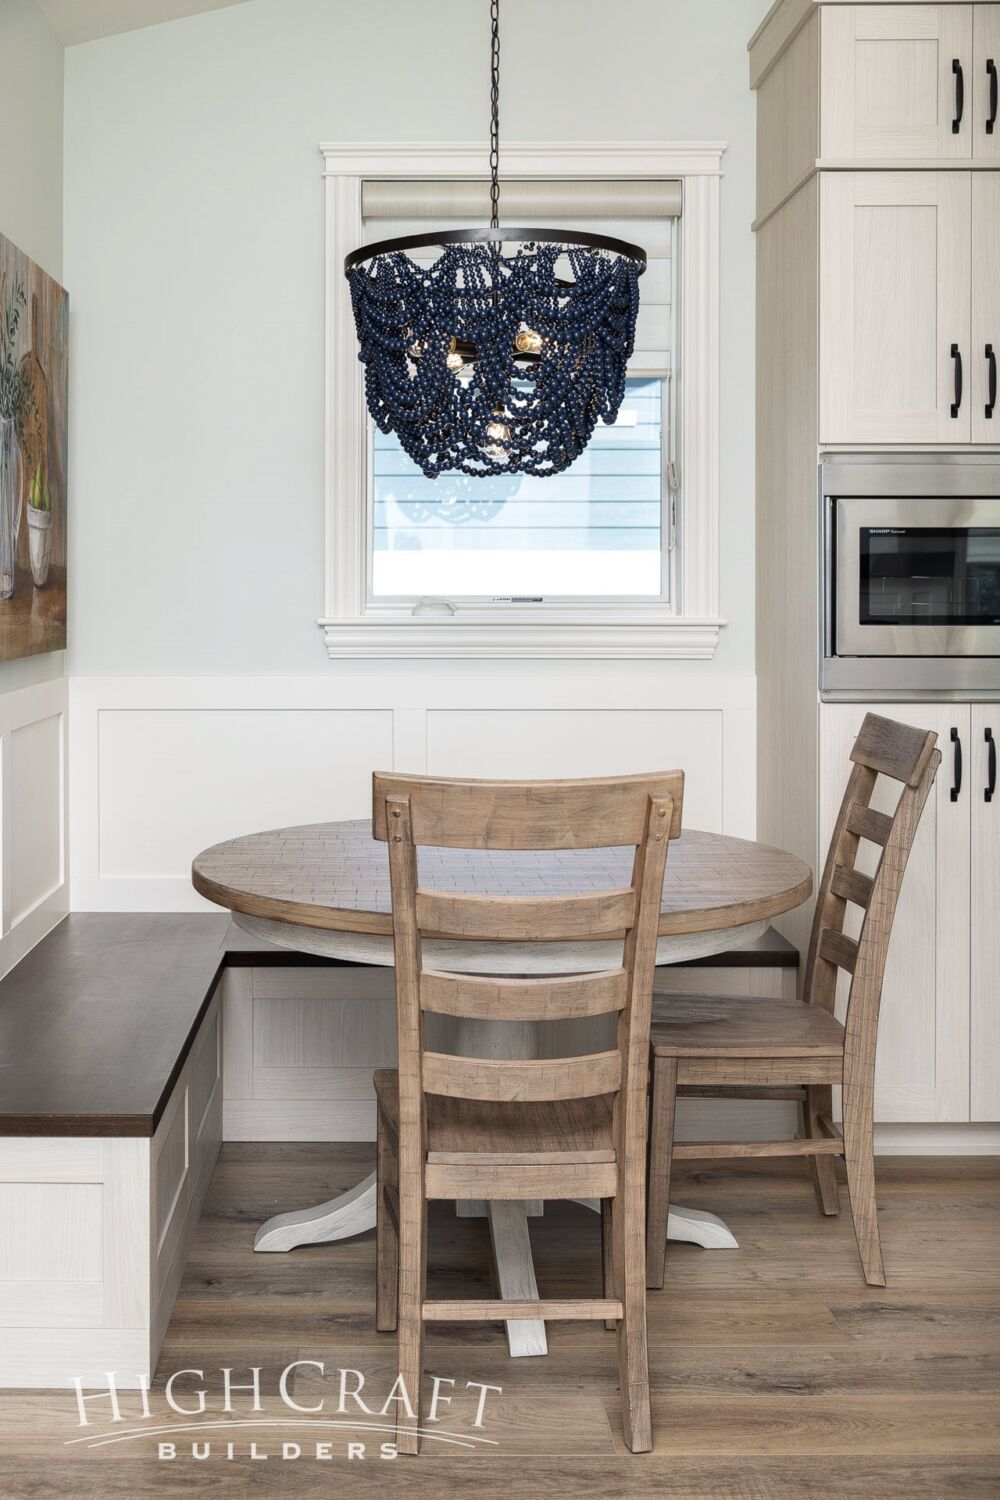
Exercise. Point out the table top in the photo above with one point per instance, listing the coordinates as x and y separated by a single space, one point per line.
336 876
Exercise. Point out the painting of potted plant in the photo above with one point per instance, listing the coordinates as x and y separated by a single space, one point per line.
39 528
34 322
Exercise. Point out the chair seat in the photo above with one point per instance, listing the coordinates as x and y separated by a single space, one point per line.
738 1026
471 1132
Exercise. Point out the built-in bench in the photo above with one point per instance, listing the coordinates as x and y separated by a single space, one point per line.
131 1045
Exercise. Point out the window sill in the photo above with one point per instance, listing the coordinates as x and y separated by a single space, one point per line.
640 634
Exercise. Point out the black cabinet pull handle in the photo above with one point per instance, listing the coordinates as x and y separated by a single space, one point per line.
991 73
956 355
956 787
991 775
991 361
956 68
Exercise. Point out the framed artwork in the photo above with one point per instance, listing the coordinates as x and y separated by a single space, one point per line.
34 325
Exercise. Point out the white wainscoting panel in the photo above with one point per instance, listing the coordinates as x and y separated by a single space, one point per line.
589 742
33 723
36 768
162 767
172 782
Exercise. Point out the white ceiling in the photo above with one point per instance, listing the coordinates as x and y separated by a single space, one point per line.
82 20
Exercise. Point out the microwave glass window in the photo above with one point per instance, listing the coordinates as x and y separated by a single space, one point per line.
930 575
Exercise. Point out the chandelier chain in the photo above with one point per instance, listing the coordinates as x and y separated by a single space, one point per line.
494 113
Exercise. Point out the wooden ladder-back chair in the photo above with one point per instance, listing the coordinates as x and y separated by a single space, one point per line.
753 1048
453 1127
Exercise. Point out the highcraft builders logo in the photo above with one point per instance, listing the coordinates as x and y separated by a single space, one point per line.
302 1412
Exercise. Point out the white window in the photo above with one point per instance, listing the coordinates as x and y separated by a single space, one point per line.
600 530
613 557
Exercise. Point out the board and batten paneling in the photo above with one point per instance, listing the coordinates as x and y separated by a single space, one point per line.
33 723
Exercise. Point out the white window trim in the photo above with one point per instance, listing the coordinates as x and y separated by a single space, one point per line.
353 626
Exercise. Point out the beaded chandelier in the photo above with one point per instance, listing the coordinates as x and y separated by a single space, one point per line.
503 355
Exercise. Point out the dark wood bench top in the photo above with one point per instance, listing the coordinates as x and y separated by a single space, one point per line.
96 1021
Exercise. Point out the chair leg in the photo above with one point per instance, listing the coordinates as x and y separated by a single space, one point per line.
859 1156
628 1236
819 1101
661 1149
607 1255
386 1233
412 1289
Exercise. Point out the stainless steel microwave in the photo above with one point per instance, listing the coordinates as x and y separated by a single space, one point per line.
910 575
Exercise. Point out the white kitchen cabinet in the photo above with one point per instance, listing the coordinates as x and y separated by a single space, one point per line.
922 1072
895 306
896 82
985 100
985 340
984 1052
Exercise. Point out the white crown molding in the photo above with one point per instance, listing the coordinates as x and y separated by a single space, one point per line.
352 628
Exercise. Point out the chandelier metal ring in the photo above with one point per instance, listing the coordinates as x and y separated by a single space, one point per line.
481 234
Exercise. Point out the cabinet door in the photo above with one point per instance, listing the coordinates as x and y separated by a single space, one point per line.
896 82
985 1020
986 85
984 412
895 306
922 1068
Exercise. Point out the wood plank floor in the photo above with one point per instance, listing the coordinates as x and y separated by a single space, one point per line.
776 1372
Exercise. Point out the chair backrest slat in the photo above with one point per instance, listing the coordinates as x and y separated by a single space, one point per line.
852 885
533 1080
869 824
643 812
595 813
559 998
543 918
838 949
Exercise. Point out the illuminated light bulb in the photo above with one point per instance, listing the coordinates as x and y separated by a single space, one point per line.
496 453
528 341
498 432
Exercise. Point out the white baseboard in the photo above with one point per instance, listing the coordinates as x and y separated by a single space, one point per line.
937 1140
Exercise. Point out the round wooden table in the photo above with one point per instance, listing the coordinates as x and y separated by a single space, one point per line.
324 888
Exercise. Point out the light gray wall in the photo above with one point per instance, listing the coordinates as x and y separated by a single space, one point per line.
194 258
31 185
